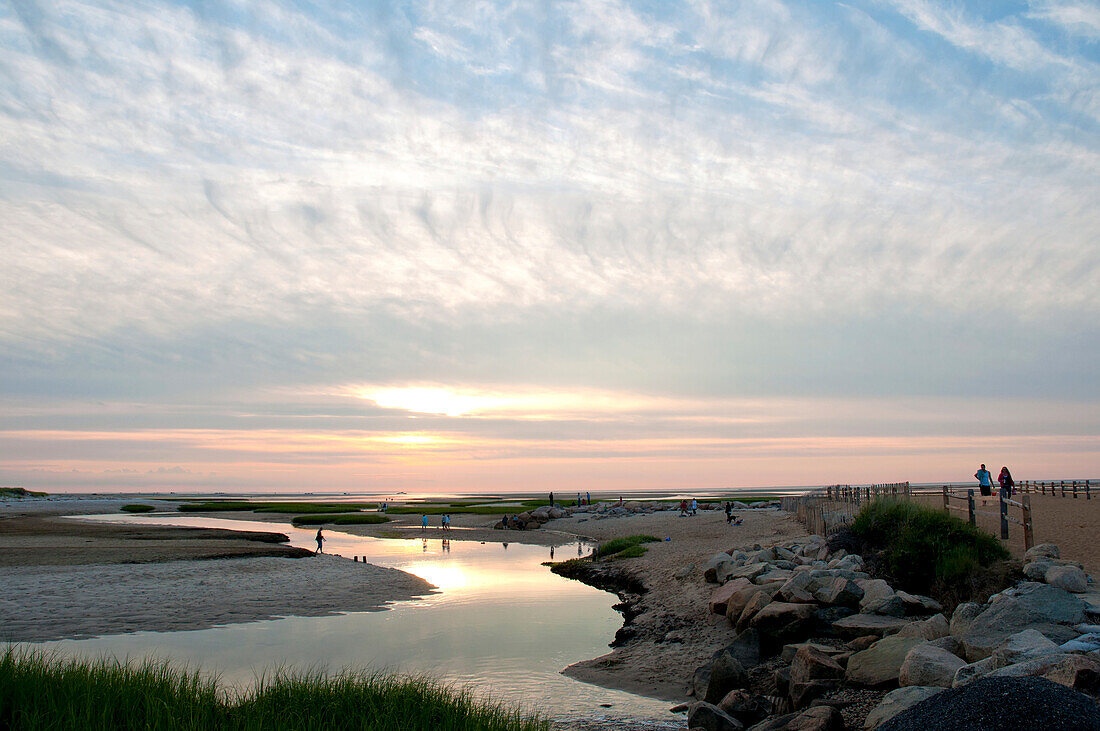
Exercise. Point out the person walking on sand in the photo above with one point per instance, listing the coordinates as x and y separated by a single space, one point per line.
683 508
729 512
985 483
694 506
588 498
424 522
1007 483
320 540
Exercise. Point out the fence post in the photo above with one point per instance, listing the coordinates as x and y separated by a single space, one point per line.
1043 487
1088 495
970 506
1004 516
1062 484
946 504
1029 536
1075 489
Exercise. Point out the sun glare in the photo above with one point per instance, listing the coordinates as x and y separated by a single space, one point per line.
430 401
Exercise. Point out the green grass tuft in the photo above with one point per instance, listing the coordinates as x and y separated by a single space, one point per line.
926 549
340 519
137 508
218 506
45 691
632 552
618 545
19 492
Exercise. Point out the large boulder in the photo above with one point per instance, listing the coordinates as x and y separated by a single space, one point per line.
841 591
740 599
748 571
928 665
873 590
1069 578
711 718
1037 570
799 588
1043 550
711 567
1023 646
963 615
973 671
897 701
858 625
1041 607
1079 672
782 622
1022 704
745 648
721 596
818 718
758 601
810 663
880 664
726 674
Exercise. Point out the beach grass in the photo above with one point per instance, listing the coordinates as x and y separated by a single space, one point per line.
618 545
437 509
137 508
929 549
40 690
340 519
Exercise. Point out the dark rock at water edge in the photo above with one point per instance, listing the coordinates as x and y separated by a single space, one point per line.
1022 704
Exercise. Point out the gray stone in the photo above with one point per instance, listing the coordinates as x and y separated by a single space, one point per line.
973 671
798 588
844 592
887 606
825 617
963 615
1026 645
774 575
739 600
897 701
858 625
919 604
1043 550
929 665
873 590
1069 578
951 644
745 648
1037 570
818 718
804 693
789 651
1079 672
1030 668
711 718
1028 606
880 664
748 571
1085 643
782 622
710 568
758 601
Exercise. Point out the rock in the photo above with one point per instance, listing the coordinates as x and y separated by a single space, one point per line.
858 625
1025 704
1079 672
919 604
782 622
1043 550
1028 606
873 590
887 606
1022 646
928 665
799 588
726 674
897 701
1037 570
1069 578
818 718
932 628
862 643
744 706
844 592
1029 668
748 571
758 601
973 671
963 615
949 643
803 694
712 718
740 599
722 594
810 663
775 723
825 617
789 651
745 648
880 664
774 576
710 568
1084 643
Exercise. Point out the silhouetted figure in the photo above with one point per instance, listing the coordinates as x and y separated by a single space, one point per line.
320 540
1007 483
551 499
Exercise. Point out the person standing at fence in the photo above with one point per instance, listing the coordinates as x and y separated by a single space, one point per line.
985 483
1007 483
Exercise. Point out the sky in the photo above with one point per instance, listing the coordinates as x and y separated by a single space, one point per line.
520 246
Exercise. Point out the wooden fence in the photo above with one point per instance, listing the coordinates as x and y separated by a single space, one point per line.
829 509
1056 487
1005 502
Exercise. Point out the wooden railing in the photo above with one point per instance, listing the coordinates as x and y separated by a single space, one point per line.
1056 487
1005 502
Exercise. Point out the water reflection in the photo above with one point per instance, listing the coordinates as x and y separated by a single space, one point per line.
499 621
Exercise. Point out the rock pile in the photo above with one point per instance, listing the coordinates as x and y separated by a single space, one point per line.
871 635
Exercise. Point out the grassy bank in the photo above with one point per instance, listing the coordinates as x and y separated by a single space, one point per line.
137 508
220 506
625 547
928 551
19 492
340 519
42 691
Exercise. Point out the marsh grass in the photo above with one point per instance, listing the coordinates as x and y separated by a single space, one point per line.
137 508
625 543
19 492
39 690
927 550
340 519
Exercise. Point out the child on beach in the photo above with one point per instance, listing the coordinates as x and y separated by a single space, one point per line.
320 540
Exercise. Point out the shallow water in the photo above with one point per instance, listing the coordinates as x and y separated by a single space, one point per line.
500 622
